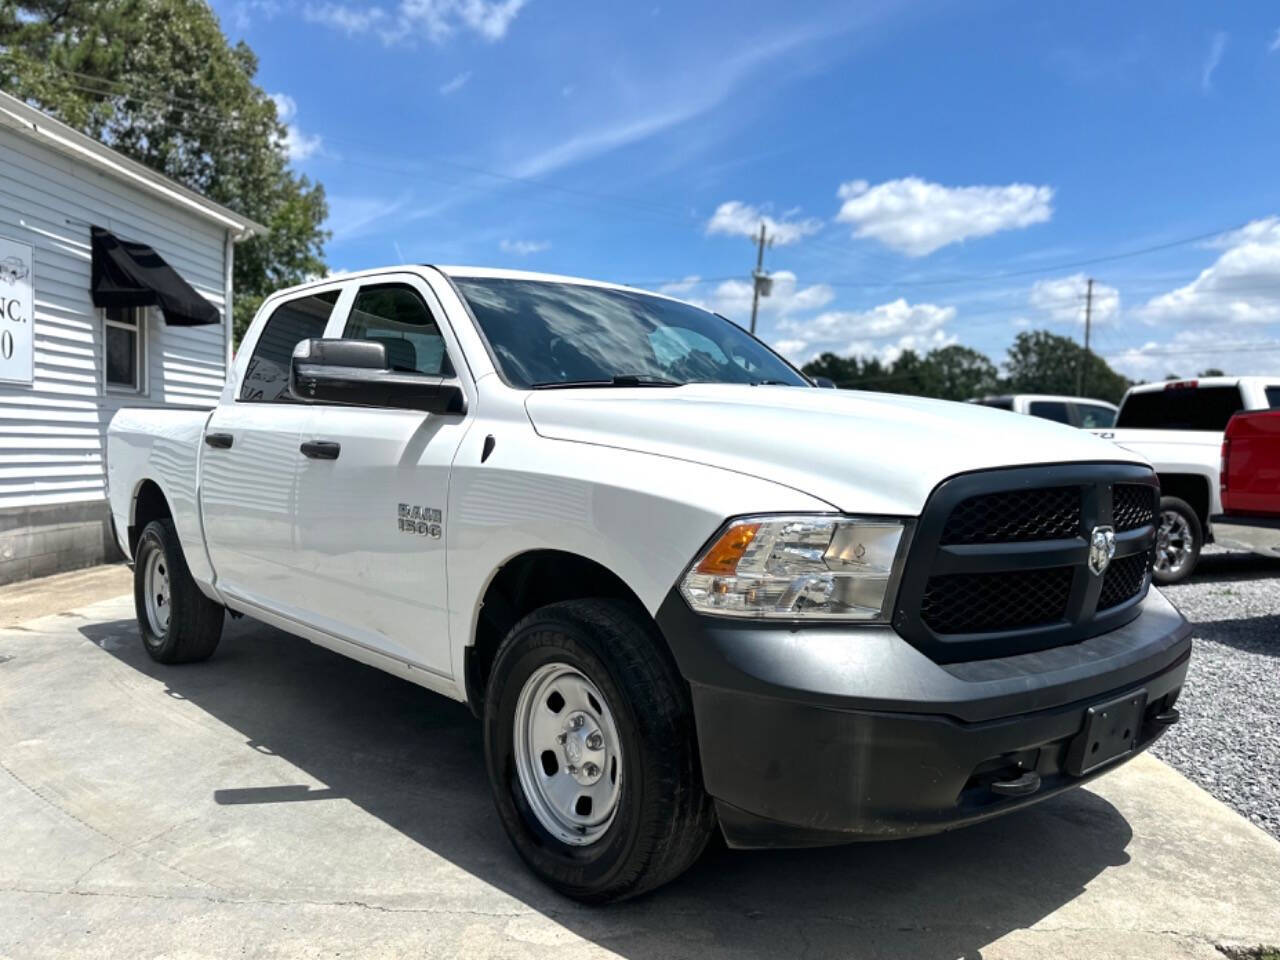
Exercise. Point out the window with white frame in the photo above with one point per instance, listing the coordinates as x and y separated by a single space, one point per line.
125 336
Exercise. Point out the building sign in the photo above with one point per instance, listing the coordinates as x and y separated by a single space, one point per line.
17 263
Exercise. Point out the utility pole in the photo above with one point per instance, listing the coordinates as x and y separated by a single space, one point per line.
1088 322
762 284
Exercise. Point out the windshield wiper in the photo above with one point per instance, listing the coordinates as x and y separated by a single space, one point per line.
622 380
772 383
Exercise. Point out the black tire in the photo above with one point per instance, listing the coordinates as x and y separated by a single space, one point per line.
1194 539
195 621
664 816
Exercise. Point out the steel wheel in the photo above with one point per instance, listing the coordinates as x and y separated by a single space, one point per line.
568 754
1175 543
156 592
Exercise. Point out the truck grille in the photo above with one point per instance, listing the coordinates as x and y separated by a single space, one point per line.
1133 506
999 560
968 602
1124 579
1015 516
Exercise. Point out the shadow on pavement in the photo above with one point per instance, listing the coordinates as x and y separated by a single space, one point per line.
414 760
1225 567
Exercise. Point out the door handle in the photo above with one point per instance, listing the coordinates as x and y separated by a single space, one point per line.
321 449
222 441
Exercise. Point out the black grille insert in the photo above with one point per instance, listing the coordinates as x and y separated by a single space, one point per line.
977 602
1123 580
1133 506
1048 513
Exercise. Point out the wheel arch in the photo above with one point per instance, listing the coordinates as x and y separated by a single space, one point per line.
522 584
1194 488
149 503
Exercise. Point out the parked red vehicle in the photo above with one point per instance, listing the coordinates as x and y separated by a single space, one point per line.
1250 481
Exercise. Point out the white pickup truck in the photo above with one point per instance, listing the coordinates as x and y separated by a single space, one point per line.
1178 426
684 588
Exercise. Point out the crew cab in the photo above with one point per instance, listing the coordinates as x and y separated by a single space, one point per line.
1178 426
683 588
1250 487
1080 412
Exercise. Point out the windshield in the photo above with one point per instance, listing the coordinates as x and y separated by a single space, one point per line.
547 334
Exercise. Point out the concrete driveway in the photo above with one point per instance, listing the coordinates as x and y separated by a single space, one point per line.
280 800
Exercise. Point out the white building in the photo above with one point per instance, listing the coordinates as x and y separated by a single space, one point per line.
158 266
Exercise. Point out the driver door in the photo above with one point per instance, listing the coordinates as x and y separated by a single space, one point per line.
370 525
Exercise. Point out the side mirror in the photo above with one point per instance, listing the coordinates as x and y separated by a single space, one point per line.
356 373
825 382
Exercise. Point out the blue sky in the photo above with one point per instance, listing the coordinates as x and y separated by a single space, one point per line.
932 173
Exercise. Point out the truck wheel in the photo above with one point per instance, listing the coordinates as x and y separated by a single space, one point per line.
179 624
591 751
1178 541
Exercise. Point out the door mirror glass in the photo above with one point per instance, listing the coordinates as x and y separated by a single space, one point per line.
358 373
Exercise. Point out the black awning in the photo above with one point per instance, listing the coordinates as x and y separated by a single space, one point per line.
129 274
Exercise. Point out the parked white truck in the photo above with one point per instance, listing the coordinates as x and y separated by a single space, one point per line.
684 589
1178 427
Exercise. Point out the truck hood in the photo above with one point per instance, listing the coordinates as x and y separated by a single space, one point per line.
860 452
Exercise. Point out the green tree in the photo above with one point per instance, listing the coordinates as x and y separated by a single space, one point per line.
158 81
961 373
1043 362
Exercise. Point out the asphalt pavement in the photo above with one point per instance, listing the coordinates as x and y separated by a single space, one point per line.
280 800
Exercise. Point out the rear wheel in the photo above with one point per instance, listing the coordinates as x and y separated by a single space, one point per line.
178 623
591 751
1178 541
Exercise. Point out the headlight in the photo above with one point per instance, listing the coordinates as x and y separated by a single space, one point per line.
801 567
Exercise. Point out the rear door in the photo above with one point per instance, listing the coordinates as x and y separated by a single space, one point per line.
250 463
371 522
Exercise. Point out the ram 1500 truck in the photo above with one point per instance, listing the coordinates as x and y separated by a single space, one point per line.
1178 427
684 589
1250 518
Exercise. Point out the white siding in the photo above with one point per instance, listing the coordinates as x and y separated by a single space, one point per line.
52 434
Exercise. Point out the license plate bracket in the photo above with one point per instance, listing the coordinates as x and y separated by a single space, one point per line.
1111 731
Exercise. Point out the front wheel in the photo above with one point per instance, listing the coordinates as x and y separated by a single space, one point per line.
591 752
1178 541
178 623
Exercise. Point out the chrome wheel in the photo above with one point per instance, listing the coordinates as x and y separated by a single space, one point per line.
1175 543
155 584
567 753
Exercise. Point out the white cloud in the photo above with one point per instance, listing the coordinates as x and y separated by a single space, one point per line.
354 216
1275 43
681 287
456 84
1063 299
733 298
1241 287
919 327
1216 48
350 20
245 12
684 100
438 20
916 217
522 248
297 145
743 220
1190 351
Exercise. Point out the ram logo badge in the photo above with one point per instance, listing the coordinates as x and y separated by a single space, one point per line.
423 521
1102 547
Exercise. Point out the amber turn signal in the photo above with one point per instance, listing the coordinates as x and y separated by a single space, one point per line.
723 556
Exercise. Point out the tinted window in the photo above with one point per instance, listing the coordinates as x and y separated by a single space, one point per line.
1054 410
1273 397
1000 403
1180 408
1094 417
396 316
266 379
544 333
